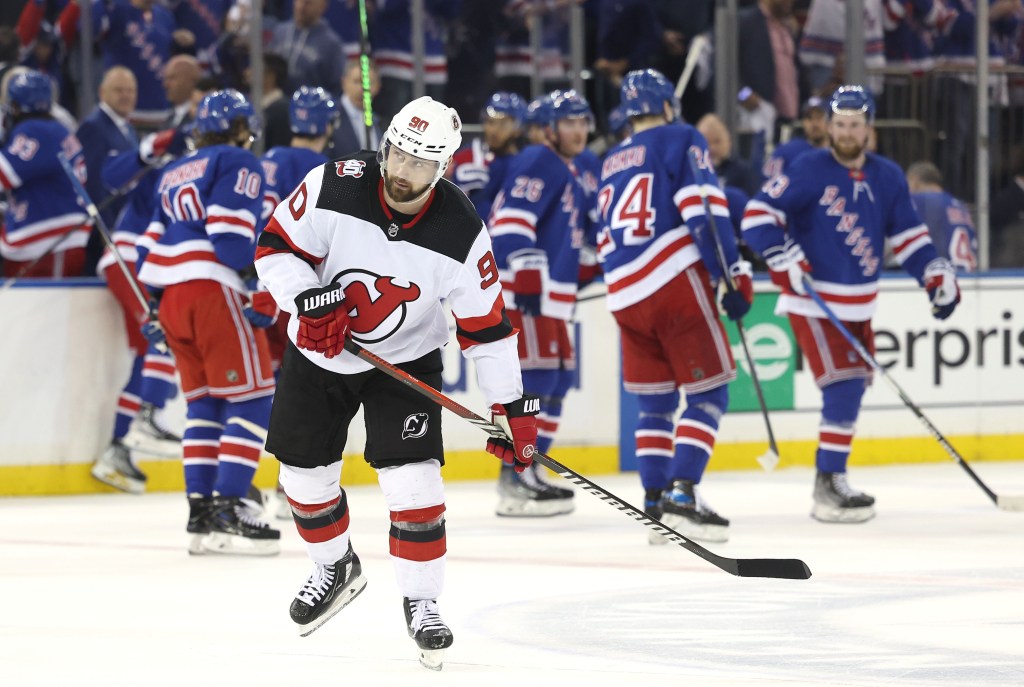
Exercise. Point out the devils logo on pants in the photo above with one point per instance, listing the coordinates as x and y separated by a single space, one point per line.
376 304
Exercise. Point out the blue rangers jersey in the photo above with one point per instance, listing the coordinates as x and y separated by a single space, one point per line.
783 155
653 224
951 228
842 219
542 205
284 168
43 205
205 224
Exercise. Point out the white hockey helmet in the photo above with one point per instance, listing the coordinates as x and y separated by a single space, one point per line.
424 128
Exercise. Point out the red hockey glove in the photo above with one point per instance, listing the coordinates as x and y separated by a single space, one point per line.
262 310
737 303
323 320
529 266
943 290
156 145
788 264
519 419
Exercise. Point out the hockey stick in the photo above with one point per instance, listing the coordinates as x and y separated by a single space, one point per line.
364 67
101 227
696 46
783 568
107 202
1004 502
770 458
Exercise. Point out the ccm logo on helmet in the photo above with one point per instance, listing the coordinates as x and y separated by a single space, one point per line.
418 124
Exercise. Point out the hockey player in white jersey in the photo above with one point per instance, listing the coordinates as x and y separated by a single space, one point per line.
829 215
367 247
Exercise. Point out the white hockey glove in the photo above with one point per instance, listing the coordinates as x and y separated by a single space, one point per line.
788 264
943 290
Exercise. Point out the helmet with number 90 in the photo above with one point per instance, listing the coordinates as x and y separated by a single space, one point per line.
645 92
218 111
29 92
851 99
311 111
426 129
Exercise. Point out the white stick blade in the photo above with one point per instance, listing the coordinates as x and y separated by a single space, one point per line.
768 460
1011 502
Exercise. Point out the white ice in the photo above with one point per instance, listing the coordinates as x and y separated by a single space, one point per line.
98 590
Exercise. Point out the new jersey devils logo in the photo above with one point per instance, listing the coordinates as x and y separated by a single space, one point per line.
415 426
376 304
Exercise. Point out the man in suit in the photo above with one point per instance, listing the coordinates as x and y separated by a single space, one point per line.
350 134
181 76
105 132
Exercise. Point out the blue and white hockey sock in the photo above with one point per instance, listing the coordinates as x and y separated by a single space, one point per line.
653 437
840 407
159 378
245 433
200 444
129 401
696 432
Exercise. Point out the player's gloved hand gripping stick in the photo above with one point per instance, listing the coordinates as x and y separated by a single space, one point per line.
785 568
151 328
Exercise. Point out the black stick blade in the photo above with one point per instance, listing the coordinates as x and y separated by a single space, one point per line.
781 568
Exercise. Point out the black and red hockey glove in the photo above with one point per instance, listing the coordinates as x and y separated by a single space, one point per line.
323 320
519 419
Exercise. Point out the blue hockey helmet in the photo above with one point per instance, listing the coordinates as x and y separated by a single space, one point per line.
218 111
29 92
852 99
311 111
538 112
569 103
617 120
504 104
645 92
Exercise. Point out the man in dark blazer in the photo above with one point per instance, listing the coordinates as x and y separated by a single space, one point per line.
350 133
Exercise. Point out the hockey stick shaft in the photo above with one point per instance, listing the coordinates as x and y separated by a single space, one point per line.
364 67
696 46
793 569
873 364
698 176
104 204
101 227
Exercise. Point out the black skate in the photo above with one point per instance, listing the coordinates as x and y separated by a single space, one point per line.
116 468
328 590
687 513
149 435
233 530
836 501
199 510
427 629
652 507
526 495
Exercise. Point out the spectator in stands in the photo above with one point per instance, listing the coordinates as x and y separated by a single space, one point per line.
45 235
767 73
314 53
391 36
350 133
731 171
948 220
823 42
180 78
515 61
1007 222
681 23
42 49
9 46
274 106
105 132
205 21
628 37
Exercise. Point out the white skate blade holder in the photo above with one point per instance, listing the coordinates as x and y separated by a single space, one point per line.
432 659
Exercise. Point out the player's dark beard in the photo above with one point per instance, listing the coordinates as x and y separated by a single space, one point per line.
846 151
400 195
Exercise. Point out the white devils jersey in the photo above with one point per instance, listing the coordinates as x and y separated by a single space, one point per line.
394 270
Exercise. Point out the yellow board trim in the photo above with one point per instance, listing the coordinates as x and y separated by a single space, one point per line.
166 475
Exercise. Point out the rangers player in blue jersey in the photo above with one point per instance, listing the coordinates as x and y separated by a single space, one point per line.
813 123
830 216
538 226
659 259
949 221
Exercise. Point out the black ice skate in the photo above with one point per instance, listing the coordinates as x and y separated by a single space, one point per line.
149 435
233 530
687 513
652 507
429 632
116 468
328 590
200 508
836 501
526 495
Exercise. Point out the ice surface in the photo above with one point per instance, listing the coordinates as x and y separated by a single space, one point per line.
98 590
